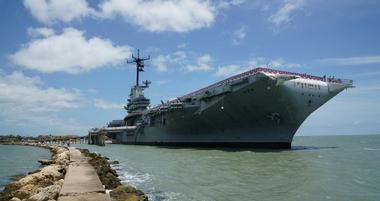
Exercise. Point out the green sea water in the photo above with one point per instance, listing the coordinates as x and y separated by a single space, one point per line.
317 168
19 160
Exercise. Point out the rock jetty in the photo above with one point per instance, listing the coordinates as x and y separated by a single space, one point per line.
43 184
71 175
109 178
81 181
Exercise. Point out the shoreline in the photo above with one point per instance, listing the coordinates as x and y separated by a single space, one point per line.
45 183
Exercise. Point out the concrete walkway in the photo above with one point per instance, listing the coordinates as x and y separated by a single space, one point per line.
81 181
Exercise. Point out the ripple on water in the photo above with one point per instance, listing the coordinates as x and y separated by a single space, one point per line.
317 168
135 179
370 149
144 180
18 160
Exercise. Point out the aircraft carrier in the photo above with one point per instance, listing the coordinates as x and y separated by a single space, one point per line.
258 108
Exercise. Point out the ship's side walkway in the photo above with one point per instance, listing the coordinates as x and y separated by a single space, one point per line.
81 181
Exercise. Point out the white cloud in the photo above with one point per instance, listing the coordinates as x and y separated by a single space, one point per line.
285 12
183 59
51 11
182 46
179 56
23 99
280 63
262 5
150 15
162 82
162 61
162 15
273 63
103 104
203 64
227 4
68 52
352 60
229 70
258 62
37 32
239 35
25 92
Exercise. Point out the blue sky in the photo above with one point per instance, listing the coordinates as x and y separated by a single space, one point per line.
63 63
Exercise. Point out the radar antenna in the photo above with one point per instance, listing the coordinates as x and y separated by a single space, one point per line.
139 65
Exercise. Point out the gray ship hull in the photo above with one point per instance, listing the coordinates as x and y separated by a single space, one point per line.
257 110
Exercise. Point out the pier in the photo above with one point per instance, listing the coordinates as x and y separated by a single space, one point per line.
81 181
96 137
99 136
60 140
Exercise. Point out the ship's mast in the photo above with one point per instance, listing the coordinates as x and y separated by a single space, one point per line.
139 64
137 102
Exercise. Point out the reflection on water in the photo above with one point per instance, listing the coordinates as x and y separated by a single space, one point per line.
316 168
295 148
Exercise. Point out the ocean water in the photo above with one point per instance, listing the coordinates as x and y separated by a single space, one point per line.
18 160
317 168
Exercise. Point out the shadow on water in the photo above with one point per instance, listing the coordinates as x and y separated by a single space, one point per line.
242 149
300 148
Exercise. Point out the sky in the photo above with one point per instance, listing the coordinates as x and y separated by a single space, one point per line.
63 66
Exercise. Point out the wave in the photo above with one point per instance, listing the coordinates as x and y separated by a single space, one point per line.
135 179
144 182
370 149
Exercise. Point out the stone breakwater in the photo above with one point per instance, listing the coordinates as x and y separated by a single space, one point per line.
43 184
109 178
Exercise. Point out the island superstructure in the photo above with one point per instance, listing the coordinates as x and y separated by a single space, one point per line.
258 108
